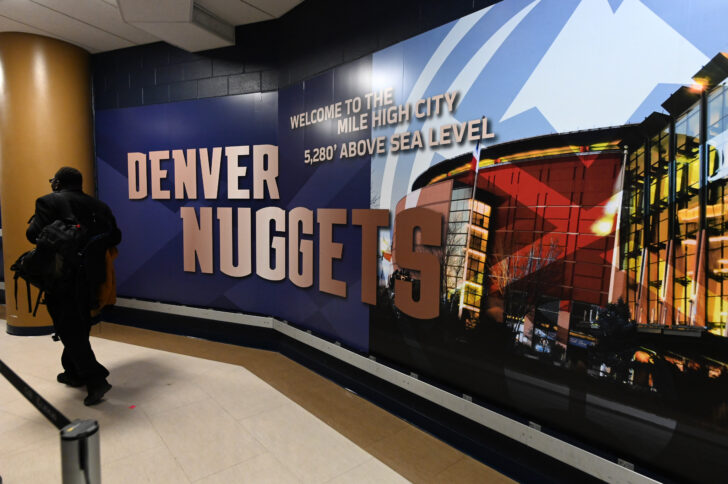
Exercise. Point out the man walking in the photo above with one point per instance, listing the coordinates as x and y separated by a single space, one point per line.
70 304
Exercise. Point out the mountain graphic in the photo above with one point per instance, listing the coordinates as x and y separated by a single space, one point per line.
603 64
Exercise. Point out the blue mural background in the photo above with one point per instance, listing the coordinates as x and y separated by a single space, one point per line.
150 264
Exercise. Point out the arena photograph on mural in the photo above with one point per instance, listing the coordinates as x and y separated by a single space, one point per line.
583 255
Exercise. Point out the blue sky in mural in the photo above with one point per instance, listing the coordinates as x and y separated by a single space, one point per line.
536 67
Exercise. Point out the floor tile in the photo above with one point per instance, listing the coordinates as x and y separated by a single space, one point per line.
262 468
12 401
153 384
204 438
239 392
19 434
156 467
40 464
124 432
311 450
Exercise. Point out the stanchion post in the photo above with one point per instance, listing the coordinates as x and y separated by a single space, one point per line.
80 454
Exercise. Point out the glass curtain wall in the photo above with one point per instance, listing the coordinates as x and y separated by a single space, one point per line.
659 178
476 259
687 168
647 223
634 208
457 238
716 212
457 233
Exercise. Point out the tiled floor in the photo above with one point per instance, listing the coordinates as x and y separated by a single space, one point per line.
184 410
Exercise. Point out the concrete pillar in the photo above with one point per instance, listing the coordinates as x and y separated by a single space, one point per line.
45 123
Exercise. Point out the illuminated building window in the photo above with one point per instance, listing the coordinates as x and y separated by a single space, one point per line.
634 215
659 222
687 156
685 253
479 240
480 219
476 268
472 297
481 214
659 171
475 237
687 168
717 134
717 212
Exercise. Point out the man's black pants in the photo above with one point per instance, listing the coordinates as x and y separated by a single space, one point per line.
72 325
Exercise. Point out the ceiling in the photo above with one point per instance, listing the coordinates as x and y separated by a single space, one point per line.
102 25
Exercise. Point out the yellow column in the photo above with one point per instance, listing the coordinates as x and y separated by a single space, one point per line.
45 123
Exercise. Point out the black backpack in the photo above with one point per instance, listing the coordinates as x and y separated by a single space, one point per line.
59 251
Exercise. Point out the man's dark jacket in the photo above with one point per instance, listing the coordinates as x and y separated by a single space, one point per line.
73 204
95 215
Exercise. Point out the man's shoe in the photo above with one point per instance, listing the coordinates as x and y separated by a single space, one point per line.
69 380
96 394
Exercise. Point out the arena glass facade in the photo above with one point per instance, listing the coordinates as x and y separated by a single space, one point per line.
675 249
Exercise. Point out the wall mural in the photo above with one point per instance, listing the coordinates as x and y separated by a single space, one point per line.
525 205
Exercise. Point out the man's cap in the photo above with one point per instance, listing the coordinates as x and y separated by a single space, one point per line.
69 177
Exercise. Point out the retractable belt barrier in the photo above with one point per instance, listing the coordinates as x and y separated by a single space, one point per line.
48 410
80 455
